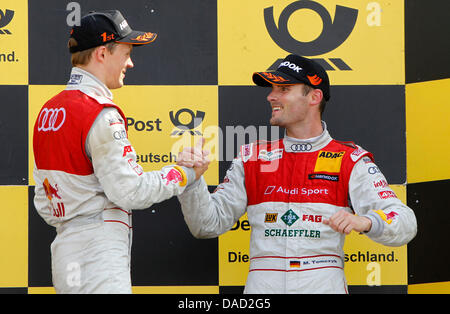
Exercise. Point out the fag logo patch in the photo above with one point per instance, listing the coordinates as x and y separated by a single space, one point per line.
329 161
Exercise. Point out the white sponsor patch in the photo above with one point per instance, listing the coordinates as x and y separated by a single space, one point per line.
272 155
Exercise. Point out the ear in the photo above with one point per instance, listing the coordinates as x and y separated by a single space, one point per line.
316 96
99 54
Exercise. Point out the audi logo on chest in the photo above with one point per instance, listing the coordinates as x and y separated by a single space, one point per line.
302 147
51 119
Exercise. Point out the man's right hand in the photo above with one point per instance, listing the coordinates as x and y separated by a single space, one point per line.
195 157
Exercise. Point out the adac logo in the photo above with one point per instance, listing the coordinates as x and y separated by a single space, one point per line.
324 154
192 122
328 162
5 19
334 32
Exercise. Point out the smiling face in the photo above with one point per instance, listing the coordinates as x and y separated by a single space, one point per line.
118 61
290 104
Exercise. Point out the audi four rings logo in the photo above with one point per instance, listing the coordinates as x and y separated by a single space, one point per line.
51 119
304 147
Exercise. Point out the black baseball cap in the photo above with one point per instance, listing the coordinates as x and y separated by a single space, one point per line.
295 69
100 27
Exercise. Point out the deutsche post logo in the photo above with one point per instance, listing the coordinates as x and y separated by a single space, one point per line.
357 42
334 32
193 122
5 19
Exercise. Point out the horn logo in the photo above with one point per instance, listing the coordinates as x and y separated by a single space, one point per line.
334 32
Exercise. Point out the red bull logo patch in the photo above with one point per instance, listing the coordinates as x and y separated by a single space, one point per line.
387 217
50 191
58 209
175 175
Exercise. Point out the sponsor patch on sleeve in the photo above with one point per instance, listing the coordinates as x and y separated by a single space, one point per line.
357 153
386 194
246 152
175 175
387 217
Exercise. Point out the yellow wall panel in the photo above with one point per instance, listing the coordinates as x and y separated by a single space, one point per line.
41 290
427 131
234 255
430 288
14 43
14 236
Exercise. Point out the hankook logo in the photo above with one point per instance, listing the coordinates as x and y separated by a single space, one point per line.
333 34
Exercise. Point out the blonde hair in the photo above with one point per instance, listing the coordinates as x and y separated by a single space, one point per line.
83 57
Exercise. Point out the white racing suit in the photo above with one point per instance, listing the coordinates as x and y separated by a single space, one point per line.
87 183
287 188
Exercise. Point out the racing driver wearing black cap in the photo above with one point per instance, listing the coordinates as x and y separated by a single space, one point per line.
302 193
87 178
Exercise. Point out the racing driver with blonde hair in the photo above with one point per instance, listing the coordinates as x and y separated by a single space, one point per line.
87 178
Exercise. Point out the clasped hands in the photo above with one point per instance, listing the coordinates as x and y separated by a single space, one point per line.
195 157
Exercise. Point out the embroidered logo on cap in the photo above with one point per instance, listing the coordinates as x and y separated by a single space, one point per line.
315 80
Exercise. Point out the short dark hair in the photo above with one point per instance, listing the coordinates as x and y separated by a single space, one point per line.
306 90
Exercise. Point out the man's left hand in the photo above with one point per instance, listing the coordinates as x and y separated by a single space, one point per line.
345 222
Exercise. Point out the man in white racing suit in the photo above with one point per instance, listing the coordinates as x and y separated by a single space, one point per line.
302 193
87 178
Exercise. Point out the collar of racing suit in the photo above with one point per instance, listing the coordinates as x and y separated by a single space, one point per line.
296 145
90 85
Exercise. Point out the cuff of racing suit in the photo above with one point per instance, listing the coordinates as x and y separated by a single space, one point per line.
196 183
190 174
377 225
